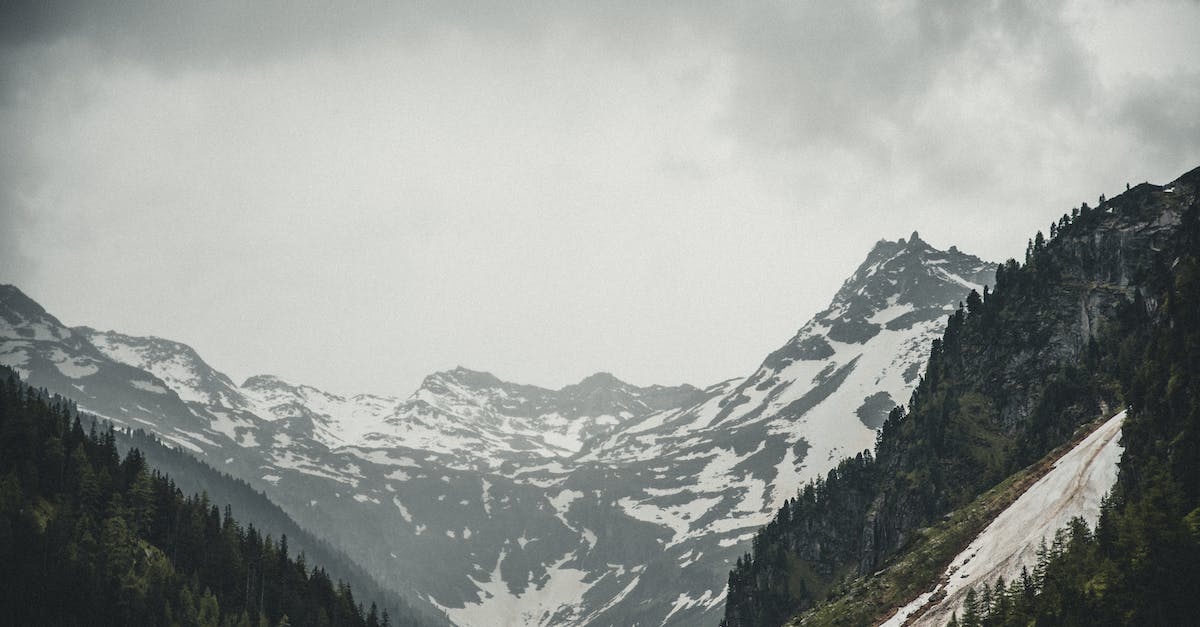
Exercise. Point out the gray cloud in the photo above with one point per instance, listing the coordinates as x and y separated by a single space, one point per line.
177 35
1162 111
826 76
548 188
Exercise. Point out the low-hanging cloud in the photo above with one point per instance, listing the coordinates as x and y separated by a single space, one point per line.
629 175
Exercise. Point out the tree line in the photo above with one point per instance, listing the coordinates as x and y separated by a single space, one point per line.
1140 565
1003 386
90 538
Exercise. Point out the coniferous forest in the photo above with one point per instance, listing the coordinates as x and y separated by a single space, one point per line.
252 507
1140 565
960 436
89 538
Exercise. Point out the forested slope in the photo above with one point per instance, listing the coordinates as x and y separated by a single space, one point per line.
89 538
1056 344
1141 563
252 507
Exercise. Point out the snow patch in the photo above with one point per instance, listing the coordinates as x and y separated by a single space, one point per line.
1073 488
559 597
73 367
148 386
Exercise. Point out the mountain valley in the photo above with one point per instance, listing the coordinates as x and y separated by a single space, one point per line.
599 503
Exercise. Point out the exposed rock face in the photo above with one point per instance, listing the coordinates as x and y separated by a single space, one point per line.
1085 275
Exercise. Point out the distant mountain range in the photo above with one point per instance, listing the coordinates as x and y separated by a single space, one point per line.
598 503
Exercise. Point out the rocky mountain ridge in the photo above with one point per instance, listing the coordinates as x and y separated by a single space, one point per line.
599 503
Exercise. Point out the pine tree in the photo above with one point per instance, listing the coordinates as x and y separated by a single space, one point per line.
1039 569
971 612
985 600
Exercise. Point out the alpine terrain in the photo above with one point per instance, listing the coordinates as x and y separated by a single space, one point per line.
1044 470
599 503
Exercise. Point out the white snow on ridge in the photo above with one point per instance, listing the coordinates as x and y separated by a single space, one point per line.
677 518
14 358
1074 487
562 501
177 369
13 353
455 418
225 423
832 428
684 601
73 367
148 386
36 330
954 278
338 420
891 312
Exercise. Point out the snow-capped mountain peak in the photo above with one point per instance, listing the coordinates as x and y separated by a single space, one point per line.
461 377
906 278
529 503
474 414
22 318
303 411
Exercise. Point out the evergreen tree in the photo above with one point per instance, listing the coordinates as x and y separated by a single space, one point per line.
89 538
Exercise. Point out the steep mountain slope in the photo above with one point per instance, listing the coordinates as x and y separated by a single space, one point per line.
193 476
599 503
1140 565
1014 375
48 354
1074 488
733 459
173 363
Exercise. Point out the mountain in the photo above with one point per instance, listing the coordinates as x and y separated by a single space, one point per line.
175 364
1101 315
47 354
597 503
736 457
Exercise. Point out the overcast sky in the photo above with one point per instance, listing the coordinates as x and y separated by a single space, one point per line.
356 197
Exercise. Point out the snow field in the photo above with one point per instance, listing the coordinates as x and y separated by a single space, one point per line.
1073 488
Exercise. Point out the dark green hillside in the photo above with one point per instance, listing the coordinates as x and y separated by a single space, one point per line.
252 507
1141 565
89 538
1055 345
